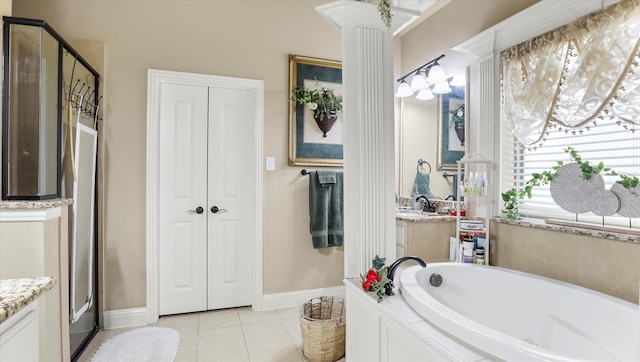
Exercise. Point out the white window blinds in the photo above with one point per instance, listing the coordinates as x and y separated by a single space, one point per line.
618 147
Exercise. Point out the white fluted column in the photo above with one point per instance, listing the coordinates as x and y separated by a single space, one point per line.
368 133
485 132
489 127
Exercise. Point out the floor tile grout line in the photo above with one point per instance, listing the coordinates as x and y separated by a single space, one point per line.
282 315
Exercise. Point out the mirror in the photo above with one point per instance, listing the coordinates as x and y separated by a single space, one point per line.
434 131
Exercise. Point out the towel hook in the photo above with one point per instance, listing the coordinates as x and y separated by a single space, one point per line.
422 162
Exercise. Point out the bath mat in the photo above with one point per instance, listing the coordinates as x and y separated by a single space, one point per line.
149 344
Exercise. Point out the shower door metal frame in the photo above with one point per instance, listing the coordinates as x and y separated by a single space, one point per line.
63 48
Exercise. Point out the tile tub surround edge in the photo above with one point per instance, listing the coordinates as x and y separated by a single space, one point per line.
16 294
542 225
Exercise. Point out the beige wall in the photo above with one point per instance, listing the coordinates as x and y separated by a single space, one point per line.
604 265
450 26
247 39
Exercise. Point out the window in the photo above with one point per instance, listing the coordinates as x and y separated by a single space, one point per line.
577 85
608 142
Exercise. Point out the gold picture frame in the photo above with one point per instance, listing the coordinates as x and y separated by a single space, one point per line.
451 139
307 144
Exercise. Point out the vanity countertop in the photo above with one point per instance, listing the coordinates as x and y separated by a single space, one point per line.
35 204
421 216
16 294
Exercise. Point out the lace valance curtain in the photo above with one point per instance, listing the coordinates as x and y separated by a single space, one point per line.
574 74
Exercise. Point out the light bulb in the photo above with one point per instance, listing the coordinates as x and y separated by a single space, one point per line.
418 82
436 74
404 90
425 95
459 80
441 87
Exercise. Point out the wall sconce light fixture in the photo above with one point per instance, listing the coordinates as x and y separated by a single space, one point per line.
427 80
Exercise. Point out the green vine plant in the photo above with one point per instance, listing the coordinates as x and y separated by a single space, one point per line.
510 197
384 8
628 181
587 167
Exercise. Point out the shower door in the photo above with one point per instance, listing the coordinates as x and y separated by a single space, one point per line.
79 181
82 245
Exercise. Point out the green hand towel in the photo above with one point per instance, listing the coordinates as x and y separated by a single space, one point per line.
421 184
326 177
326 220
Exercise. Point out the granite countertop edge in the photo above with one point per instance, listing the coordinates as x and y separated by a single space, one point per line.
427 218
540 224
15 294
35 204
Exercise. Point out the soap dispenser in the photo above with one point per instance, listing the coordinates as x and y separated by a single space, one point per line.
416 201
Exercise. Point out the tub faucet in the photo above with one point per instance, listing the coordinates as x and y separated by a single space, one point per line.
392 271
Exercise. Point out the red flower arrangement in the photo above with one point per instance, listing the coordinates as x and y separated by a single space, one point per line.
376 278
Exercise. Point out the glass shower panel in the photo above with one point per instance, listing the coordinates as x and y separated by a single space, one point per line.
32 134
79 147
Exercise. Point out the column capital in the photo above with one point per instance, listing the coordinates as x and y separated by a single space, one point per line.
342 13
537 19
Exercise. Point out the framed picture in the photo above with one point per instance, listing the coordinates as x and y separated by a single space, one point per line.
452 124
308 144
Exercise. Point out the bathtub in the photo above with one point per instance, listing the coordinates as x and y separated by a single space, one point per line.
517 316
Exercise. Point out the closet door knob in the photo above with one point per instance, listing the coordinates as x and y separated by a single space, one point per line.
198 210
215 209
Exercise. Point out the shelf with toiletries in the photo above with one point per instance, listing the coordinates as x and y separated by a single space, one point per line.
474 185
471 243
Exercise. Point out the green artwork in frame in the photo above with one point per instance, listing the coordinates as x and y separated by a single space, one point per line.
308 144
452 127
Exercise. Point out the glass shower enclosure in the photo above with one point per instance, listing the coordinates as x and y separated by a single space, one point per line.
50 120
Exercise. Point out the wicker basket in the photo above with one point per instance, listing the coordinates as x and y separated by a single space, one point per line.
322 322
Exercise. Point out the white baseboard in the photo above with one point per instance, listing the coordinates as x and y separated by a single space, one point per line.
123 318
133 317
297 298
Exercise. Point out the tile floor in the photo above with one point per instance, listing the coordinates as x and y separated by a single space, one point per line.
228 335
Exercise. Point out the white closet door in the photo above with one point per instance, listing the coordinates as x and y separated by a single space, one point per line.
231 119
183 189
205 212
